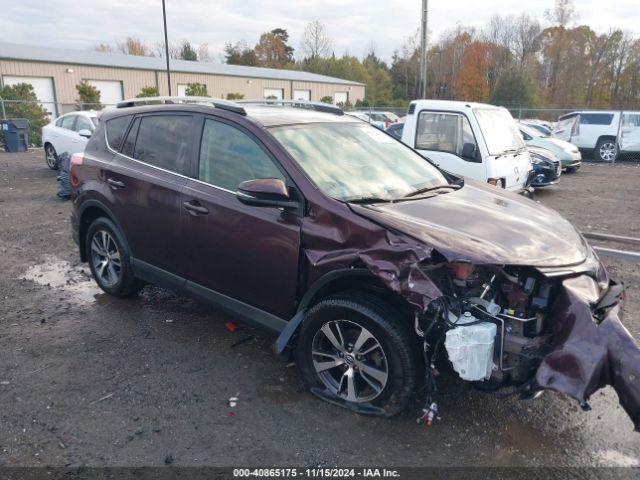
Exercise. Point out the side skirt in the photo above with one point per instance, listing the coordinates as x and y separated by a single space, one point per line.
246 313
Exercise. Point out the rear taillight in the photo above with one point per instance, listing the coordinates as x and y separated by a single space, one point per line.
76 160
575 128
496 182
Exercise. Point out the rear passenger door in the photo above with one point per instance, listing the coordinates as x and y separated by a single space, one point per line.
146 179
245 252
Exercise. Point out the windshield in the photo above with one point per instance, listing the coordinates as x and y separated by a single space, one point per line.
532 132
351 161
499 130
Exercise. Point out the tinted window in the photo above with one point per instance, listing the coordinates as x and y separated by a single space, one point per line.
443 132
67 121
116 128
596 118
229 156
130 142
163 141
83 123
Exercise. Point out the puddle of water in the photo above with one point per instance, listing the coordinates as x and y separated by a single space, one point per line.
61 275
612 458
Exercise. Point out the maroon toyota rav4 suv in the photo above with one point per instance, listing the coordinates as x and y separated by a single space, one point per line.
368 262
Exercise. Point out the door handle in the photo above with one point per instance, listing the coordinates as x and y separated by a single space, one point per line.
115 184
194 208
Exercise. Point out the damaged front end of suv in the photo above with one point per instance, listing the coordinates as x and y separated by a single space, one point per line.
515 313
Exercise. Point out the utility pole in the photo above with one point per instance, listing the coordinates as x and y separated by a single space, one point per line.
166 45
423 49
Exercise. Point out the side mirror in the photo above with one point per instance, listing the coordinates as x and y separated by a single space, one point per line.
470 152
85 133
265 192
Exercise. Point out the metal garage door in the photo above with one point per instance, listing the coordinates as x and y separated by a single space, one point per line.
43 87
182 89
110 91
340 97
302 95
275 93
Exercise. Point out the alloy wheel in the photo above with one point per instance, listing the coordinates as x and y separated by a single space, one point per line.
50 157
105 258
608 151
350 361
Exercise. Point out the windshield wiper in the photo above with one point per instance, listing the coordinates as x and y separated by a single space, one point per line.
367 199
431 189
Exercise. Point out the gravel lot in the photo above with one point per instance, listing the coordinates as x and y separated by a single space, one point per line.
86 379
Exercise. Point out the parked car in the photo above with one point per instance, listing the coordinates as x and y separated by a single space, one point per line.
67 134
366 260
595 132
366 118
475 140
569 154
395 130
546 167
542 128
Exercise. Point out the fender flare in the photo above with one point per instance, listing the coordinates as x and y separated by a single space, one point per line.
281 345
92 202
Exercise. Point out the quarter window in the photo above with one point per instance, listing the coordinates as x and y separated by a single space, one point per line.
596 118
130 142
443 132
228 157
163 141
116 128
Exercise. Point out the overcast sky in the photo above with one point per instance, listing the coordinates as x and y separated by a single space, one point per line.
353 25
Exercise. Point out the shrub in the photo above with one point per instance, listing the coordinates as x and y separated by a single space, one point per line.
196 90
235 96
88 97
148 91
327 99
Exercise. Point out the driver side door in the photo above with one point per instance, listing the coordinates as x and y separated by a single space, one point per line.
248 253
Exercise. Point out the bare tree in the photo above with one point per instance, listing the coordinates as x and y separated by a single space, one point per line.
526 43
563 13
133 46
103 47
203 52
316 42
159 50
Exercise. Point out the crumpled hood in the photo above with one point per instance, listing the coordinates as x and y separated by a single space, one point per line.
481 224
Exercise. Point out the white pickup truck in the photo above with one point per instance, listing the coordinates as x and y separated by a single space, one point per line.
473 140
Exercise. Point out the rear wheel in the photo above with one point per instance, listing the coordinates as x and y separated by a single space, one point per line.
359 353
109 259
606 150
51 157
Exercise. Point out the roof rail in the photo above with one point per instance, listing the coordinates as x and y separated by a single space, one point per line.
222 104
317 106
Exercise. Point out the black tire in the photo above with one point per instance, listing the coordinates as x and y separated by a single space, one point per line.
398 345
51 156
125 284
606 149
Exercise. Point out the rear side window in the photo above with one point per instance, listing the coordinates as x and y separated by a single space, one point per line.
596 118
83 123
228 157
116 128
130 142
163 141
68 121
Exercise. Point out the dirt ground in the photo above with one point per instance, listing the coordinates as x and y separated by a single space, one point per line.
90 380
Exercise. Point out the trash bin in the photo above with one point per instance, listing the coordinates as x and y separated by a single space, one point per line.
16 134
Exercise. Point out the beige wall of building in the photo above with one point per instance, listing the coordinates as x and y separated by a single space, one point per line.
67 76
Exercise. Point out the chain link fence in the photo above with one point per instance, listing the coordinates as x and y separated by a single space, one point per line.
602 135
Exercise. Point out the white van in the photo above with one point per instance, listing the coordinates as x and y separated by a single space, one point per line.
474 140
595 131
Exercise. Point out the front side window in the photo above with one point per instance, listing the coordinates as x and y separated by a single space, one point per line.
228 157
443 132
499 130
116 128
163 141
352 161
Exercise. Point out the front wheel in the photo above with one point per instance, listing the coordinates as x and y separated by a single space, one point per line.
357 352
51 157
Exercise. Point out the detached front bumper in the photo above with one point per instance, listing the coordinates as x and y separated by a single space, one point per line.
591 347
